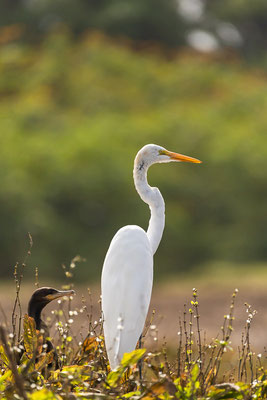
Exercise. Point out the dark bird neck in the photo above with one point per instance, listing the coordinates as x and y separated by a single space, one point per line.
34 311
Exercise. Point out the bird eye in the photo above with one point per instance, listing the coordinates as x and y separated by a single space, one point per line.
162 152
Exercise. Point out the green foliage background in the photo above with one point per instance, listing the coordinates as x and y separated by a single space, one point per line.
73 115
167 22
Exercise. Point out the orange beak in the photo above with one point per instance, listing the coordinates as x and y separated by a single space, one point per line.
180 157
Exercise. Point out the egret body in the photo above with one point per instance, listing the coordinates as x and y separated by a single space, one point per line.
127 274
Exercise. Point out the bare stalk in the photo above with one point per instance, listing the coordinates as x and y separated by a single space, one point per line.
12 364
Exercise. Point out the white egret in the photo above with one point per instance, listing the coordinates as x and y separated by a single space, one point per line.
127 274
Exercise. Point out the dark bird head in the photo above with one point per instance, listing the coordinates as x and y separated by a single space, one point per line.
41 297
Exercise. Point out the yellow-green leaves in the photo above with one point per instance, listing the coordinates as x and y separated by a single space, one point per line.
3 356
33 340
44 360
44 394
90 347
128 360
6 377
188 385
161 390
33 343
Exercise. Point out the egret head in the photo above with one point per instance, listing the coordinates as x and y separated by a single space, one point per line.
152 153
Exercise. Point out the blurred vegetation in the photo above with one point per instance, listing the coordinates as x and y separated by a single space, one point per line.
73 115
233 25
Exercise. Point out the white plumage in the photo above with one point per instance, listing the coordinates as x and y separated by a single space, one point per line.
126 295
127 274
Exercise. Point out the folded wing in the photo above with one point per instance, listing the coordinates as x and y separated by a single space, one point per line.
126 290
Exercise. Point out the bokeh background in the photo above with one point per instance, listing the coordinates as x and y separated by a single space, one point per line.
84 84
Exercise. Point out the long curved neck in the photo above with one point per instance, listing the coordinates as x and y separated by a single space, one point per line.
154 199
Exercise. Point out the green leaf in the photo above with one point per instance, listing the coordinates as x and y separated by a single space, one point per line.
44 394
4 379
131 394
194 373
127 361
44 360
114 376
132 358
225 393
30 336
3 356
